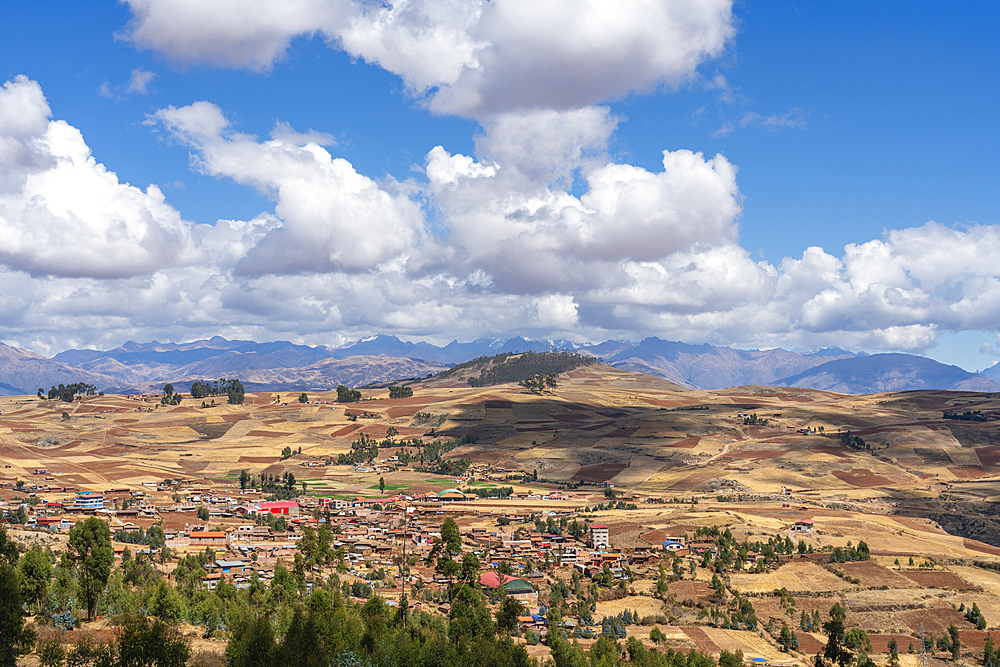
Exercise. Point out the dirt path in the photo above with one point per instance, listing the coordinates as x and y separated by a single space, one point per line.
725 450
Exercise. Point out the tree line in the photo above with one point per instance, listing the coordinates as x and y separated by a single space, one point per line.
347 395
232 389
69 392
400 391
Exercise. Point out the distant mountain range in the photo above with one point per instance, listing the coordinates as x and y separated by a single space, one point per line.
281 365
710 367
888 372
993 372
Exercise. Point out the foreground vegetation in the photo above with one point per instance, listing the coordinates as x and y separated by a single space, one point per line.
301 619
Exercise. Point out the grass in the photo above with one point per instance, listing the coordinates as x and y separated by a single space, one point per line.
442 482
392 487
339 496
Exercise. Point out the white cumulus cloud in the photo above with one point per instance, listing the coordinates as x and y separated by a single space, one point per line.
540 231
532 237
469 57
64 214
332 217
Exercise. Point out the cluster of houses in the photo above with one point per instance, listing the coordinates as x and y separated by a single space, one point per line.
373 534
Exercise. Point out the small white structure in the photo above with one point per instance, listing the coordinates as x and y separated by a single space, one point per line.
802 526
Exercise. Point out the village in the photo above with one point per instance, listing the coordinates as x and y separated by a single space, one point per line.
601 517
542 550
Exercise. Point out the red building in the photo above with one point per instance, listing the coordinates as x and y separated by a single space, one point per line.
286 507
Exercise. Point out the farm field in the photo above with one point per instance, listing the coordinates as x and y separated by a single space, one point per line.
681 464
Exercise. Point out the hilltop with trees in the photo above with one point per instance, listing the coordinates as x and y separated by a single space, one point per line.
517 368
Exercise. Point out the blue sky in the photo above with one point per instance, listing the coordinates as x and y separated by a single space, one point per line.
863 132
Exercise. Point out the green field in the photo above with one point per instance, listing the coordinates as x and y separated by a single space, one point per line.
392 487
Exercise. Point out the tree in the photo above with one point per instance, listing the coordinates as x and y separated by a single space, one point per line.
157 537
469 618
302 645
856 639
396 391
68 393
787 639
718 586
893 647
956 644
835 650
15 638
507 615
90 543
308 546
443 553
203 513
169 397
727 659
990 655
345 395
35 569
381 485
8 548
166 604
661 582
451 536
539 383
470 570
156 644
303 398
234 391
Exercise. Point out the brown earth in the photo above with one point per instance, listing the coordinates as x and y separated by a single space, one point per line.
873 575
937 579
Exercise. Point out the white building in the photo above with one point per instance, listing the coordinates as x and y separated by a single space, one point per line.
600 537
